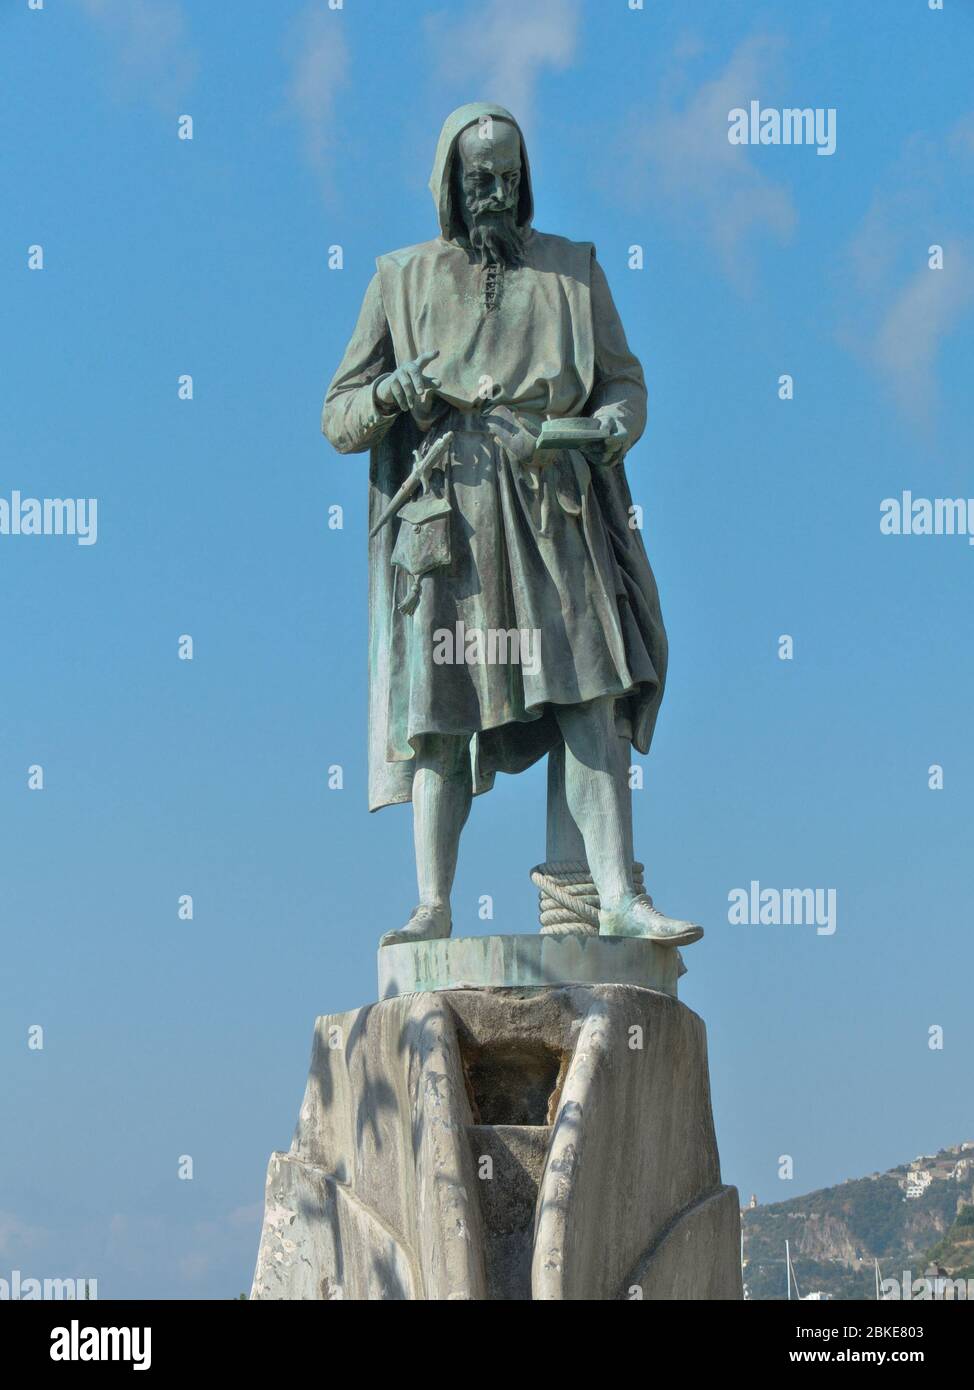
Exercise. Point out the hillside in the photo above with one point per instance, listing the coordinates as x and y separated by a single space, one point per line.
905 1218
954 1254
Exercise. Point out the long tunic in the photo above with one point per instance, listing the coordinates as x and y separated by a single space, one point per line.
522 548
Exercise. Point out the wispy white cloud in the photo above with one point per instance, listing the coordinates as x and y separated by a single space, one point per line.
319 57
679 157
19 1238
153 56
897 311
499 51
908 340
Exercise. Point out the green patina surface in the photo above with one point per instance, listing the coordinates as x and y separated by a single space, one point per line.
526 962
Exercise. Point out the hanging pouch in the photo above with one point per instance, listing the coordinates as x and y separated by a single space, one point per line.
423 543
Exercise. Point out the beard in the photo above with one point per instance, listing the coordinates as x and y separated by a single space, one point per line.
496 238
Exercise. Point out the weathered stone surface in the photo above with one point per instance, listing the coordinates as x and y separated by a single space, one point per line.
385 1114
319 1241
508 1197
633 1146
526 962
592 1105
681 1265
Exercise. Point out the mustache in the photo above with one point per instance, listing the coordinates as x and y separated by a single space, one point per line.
489 204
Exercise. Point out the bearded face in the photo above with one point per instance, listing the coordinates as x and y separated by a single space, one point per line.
496 238
490 177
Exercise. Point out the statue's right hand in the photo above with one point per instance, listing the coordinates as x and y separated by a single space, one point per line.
409 384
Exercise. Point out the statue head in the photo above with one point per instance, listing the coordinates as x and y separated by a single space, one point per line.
481 183
488 173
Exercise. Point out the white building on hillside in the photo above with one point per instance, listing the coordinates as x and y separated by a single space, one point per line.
916 1182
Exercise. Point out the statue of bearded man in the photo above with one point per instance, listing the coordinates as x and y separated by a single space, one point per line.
469 344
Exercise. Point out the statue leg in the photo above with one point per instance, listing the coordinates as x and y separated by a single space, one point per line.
563 841
596 793
598 796
441 803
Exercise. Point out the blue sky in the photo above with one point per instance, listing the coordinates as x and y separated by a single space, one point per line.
316 127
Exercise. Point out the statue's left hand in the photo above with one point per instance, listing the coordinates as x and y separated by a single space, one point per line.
609 447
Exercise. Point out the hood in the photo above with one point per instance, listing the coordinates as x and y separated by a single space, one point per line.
442 182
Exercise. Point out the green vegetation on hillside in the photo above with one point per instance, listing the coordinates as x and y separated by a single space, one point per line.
837 1233
955 1252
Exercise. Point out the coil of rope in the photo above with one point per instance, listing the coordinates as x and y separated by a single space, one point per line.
567 898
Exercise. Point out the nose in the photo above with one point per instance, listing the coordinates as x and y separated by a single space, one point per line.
498 191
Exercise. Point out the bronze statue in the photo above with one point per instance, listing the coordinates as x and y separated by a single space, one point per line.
490 378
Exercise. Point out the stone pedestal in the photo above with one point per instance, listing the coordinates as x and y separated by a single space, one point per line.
549 1142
